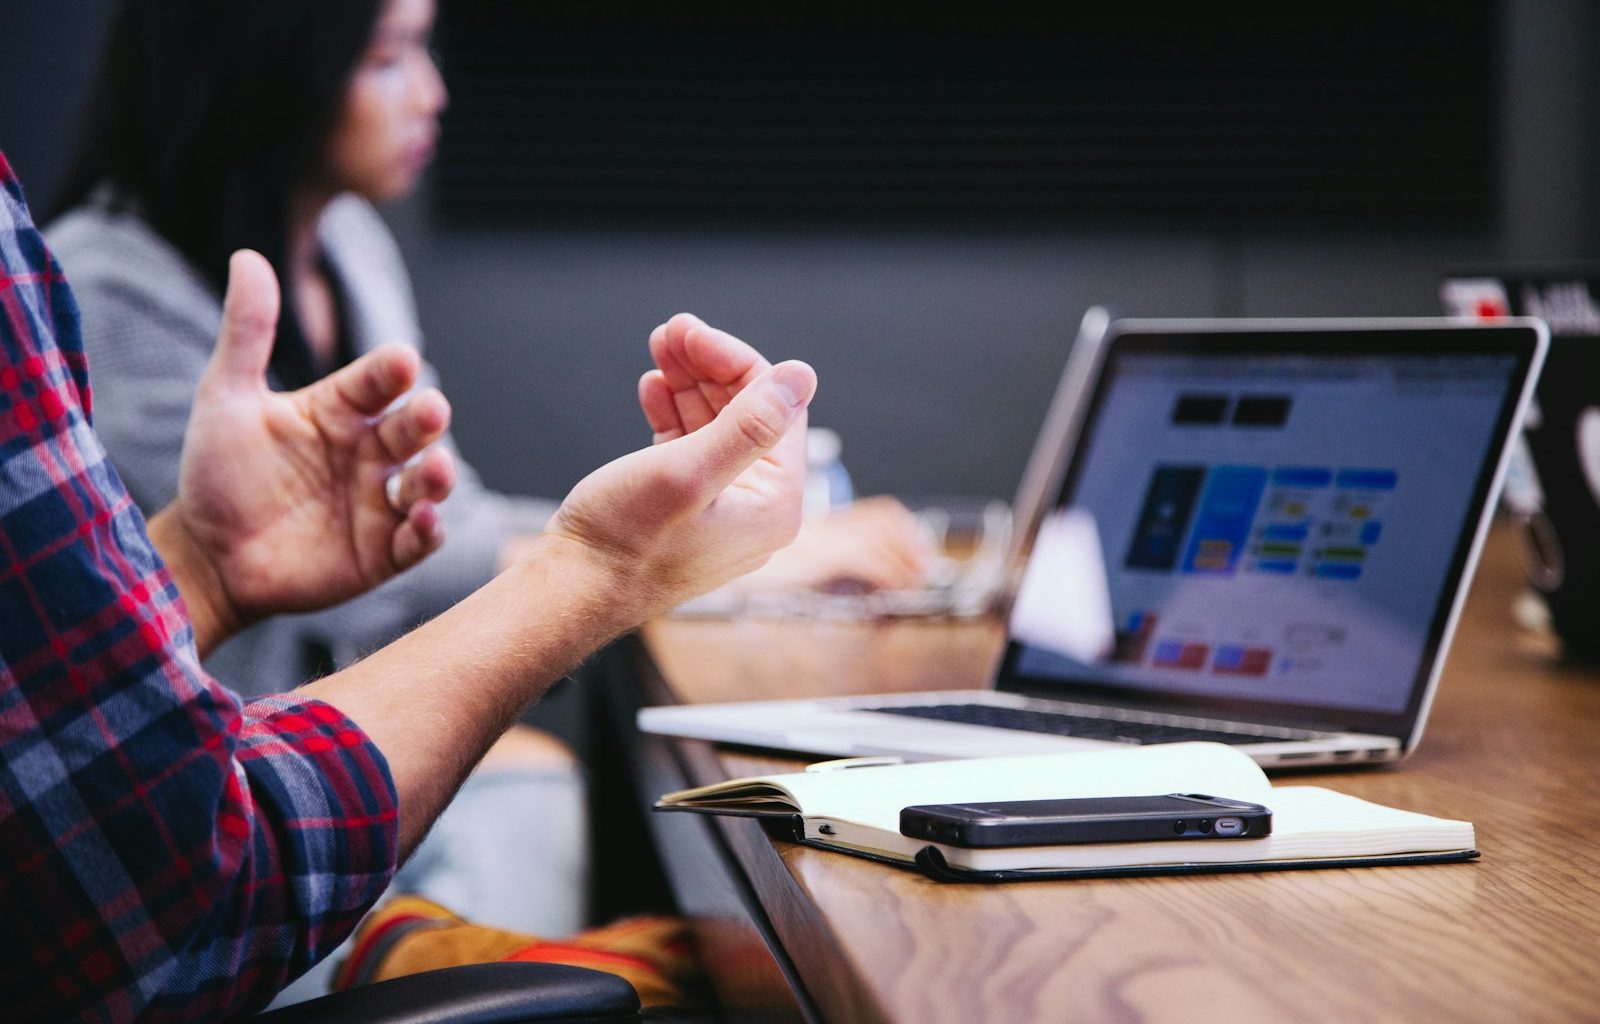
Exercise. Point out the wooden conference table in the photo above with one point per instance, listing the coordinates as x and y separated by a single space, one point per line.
792 933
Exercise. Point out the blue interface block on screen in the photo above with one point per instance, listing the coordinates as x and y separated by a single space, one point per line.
1301 476
1223 524
1281 567
1339 571
1368 479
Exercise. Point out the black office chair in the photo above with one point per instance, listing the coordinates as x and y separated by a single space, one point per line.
500 993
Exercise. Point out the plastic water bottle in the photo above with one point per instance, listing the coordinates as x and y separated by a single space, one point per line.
827 481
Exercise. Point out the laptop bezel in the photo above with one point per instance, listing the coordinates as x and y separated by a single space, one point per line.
1525 339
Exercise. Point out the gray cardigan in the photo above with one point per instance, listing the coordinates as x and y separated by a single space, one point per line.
149 323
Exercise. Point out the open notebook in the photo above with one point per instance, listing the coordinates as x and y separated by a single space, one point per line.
857 811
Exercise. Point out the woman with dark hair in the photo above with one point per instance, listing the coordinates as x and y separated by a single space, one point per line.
271 125
275 125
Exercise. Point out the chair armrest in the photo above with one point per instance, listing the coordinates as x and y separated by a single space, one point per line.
498 993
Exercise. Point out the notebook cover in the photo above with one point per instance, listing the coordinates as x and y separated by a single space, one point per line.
931 862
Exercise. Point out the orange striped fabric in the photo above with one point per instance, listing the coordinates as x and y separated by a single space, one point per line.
410 934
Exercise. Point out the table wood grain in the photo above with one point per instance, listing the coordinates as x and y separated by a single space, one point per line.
1513 745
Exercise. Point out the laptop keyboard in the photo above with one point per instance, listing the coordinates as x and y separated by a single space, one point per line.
1083 726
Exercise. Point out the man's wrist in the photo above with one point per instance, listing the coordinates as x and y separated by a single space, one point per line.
603 588
211 611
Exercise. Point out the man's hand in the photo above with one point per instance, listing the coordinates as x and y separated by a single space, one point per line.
721 488
875 542
285 500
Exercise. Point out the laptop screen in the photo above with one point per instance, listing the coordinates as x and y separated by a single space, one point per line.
1279 520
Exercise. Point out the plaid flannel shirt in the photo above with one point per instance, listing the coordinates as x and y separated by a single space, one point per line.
165 853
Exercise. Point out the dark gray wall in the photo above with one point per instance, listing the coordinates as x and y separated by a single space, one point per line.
937 350
48 52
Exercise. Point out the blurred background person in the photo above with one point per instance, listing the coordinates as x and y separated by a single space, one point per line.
275 126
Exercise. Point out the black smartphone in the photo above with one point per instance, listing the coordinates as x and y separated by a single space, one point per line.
1112 819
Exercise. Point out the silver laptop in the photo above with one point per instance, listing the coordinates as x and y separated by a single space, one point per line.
1262 535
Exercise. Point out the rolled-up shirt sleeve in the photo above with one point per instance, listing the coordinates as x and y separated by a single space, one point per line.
166 851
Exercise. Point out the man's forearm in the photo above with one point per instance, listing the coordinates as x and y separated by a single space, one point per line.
436 699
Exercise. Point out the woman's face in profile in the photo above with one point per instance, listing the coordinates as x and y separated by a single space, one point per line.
389 126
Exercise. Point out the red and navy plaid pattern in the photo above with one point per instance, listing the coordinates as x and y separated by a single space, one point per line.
165 853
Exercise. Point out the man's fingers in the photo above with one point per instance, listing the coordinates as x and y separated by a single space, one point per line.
249 319
655 398
691 353
415 425
430 478
668 352
703 367
370 384
751 425
661 353
418 537
690 406
714 354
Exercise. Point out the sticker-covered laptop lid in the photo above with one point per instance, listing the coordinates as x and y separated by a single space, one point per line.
1553 485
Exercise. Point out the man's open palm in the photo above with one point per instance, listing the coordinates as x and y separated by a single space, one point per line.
289 494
